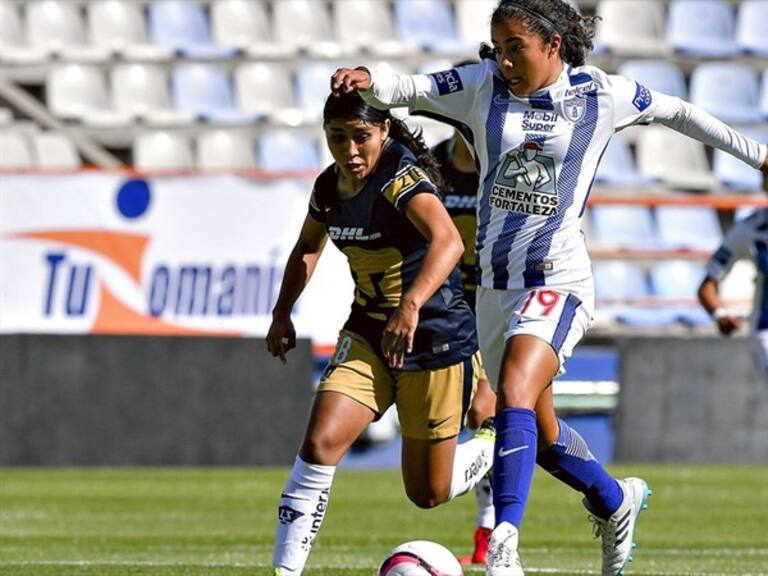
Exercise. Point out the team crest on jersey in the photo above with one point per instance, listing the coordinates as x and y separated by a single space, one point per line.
575 109
526 182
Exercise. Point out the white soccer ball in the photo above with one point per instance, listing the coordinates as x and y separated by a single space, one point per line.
421 558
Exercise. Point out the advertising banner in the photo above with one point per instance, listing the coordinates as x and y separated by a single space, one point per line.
114 253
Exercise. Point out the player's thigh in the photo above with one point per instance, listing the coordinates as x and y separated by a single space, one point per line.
355 389
432 404
427 468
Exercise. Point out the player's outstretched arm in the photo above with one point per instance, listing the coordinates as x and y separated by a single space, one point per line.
301 264
428 214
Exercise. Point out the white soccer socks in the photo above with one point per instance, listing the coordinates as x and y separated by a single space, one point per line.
486 514
300 514
472 461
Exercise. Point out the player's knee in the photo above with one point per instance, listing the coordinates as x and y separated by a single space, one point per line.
425 496
319 449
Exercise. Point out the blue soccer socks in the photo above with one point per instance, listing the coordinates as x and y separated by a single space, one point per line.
514 459
570 461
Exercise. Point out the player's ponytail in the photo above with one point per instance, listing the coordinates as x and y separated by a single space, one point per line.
351 106
547 18
414 141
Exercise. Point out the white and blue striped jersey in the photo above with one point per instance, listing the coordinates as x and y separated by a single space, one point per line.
537 156
747 238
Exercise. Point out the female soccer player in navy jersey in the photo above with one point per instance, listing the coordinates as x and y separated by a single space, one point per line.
538 121
410 339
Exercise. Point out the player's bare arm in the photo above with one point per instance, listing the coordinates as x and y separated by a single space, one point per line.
428 214
301 265
710 299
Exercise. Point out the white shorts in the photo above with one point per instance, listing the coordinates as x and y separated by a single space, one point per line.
559 315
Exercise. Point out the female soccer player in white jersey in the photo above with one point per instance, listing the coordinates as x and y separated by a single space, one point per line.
747 239
538 121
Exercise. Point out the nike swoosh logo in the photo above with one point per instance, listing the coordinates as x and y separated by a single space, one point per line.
499 100
503 452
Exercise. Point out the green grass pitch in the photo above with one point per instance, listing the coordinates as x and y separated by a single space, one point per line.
192 522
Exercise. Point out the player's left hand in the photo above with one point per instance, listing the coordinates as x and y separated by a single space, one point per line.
397 340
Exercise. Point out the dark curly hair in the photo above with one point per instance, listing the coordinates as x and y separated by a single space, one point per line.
547 18
351 106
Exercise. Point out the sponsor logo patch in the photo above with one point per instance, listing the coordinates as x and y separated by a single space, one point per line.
448 82
288 515
575 109
643 97
526 182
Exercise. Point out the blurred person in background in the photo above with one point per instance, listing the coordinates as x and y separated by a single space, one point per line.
410 338
457 167
533 105
748 238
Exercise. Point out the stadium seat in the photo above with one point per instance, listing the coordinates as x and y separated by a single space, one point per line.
702 27
14 151
431 23
735 174
752 27
53 24
688 227
10 25
617 166
57 27
677 282
619 281
115 25
139 89
280 150
75 90
305 24
205 91
621 289
473 20
245 25
183 26
729 90
55 151
623 227
659 75
631 27
312 88
367 25
674 159
157 151
264 89
224 150
14 48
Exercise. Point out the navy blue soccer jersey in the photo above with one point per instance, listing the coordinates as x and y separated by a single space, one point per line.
460 199
385 252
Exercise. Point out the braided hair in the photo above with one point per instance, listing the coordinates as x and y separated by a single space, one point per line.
547 18
351 106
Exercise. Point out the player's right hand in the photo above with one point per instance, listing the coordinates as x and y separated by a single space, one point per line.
728 324
281 337
346 80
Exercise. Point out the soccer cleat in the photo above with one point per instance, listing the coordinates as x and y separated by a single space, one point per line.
617 531
482 539
503 559
487 430
286 572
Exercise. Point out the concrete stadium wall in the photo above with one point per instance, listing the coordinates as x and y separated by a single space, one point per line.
123 400
691 400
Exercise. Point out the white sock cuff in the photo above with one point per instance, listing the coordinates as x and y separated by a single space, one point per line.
312 476
471 462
